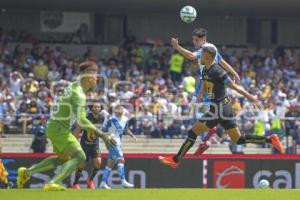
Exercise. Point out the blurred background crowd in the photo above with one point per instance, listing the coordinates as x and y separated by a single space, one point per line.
155 85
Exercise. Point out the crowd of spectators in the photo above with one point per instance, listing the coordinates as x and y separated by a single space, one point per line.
156 96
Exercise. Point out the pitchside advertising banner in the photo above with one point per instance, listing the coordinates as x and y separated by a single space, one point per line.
143 170
212 171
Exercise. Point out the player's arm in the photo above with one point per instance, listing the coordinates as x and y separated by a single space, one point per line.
197 90
229 69
128 132
201 92
223 77
198 95
186 53
106 125
77 130
246 94
86 124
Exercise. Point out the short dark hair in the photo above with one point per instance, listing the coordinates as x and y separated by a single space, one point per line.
118 106
199 32
93 103
91 65
212 51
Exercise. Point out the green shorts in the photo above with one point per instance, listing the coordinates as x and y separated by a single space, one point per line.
62 140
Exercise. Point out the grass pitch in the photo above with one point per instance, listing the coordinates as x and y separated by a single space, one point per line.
153 194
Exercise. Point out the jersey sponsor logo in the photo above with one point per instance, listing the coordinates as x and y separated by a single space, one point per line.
229 174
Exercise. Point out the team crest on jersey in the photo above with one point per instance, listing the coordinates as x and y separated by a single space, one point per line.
206 77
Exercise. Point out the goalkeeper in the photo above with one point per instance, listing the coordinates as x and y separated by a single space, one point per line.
70 106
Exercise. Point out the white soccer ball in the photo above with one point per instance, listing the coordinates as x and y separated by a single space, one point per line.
188 14
264 183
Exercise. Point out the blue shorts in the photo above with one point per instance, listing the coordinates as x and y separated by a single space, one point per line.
115 153
205 104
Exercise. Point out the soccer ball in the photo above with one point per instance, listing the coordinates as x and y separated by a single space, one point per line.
188 14
264 183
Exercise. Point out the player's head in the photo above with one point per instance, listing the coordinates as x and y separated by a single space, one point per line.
199 36
119 110
88 73
95 107
208 54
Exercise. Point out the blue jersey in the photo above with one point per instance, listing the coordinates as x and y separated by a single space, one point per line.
116 126
218 58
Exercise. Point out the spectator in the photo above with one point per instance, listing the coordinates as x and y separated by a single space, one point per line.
39 142
296 142
23 117
189 83
15 81
30 85
147 122
40 71
155 91
176 67
174 130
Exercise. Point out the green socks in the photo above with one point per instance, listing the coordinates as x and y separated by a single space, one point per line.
46 164
69 166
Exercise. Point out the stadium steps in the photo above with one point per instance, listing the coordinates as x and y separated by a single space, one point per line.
21 143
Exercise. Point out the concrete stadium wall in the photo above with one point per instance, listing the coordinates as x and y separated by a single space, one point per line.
221 30
230 30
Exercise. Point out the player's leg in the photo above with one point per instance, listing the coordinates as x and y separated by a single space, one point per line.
198 127
237 138
96 166
78 174
203 146
204 112
106 173
72 148
121 171
45 165
77 158
121 166
228 121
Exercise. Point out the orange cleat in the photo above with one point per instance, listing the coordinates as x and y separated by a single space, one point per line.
276 143
168 161
91 184
76 186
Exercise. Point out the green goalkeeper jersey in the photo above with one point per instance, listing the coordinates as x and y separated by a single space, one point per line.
68 108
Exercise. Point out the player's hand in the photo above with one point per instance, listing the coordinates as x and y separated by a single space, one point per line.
257 104
236 77
174 42
109 140
135 139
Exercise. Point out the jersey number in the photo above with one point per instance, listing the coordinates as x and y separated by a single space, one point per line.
209 89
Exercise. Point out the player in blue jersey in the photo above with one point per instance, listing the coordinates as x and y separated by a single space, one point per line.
118 125
199 37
